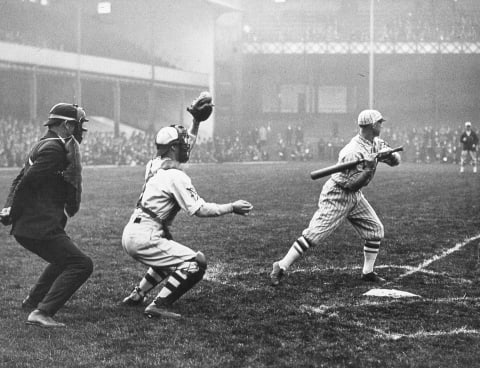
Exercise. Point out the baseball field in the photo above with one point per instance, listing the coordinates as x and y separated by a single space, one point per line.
319 316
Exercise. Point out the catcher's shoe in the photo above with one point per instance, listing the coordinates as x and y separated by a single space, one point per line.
41 319
372 277
28 304
276 274
155 310
136 297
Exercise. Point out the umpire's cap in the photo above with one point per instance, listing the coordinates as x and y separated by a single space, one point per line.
368 117
66 111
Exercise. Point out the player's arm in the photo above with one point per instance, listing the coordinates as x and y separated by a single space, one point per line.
200 109
190 201
239 207
5 218
193 132
13 188
475 139
362 175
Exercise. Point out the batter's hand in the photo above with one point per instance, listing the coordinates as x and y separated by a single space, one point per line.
242 207
369 161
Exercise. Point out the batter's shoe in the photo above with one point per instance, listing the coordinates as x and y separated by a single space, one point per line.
136 297
155 310
41 319
276 274
28 304
372 277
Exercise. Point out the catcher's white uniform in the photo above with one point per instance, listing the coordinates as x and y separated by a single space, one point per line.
167 190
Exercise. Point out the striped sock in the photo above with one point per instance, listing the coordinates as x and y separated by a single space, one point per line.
298 248
174 281
151 279
370 252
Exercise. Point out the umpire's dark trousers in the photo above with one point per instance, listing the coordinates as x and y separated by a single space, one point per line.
68 269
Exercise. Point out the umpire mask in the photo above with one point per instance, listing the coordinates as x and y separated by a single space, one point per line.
71 114
183 143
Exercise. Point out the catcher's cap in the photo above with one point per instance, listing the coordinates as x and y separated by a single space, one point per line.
166 135
468 124
367 117
65 111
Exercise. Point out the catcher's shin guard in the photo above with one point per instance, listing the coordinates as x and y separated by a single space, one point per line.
185 276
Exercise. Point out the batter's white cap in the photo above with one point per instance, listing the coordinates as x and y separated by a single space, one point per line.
367 117
166 135
468 124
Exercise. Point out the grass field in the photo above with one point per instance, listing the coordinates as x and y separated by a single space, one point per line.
319 317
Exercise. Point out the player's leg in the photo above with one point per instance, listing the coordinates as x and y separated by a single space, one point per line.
370 228
333 207
463 158
152 278
473 159
141 240
185 276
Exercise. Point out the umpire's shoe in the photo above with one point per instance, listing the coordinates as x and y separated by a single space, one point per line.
136 297
158 310
276 274
372 277
42 319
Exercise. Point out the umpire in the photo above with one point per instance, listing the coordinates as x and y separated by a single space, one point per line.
45 192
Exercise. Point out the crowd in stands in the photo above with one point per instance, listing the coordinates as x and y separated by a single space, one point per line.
421 145
439 21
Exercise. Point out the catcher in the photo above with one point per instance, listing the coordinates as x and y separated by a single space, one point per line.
341 198
167 189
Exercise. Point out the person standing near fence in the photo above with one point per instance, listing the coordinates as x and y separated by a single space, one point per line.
469 140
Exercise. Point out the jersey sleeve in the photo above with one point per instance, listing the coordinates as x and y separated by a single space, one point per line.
185 194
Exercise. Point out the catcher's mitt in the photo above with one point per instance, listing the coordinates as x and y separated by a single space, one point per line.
202 107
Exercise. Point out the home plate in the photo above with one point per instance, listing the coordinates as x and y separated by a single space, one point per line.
391 293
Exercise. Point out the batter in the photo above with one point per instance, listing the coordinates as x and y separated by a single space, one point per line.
341 198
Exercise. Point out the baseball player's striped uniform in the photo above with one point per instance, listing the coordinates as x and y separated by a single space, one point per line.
337 203
341 198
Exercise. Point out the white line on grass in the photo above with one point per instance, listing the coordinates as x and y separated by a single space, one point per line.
420 334
437 257
323 309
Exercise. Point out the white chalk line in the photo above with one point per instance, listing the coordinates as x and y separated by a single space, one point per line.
216 270
419 334
325 310
219 272
435 258
410 270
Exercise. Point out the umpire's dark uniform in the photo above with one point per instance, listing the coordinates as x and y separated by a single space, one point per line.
39 197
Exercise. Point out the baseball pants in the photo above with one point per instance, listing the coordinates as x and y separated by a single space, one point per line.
144 240
334 206
68 269
465 154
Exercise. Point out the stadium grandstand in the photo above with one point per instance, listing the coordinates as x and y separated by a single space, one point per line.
288 76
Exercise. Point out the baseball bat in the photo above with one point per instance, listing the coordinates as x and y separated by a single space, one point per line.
321 173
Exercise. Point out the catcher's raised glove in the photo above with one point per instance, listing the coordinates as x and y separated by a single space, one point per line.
202 107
